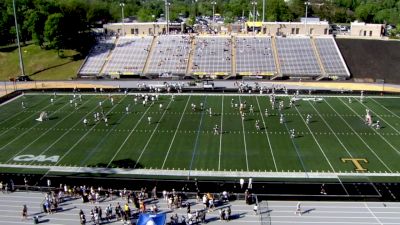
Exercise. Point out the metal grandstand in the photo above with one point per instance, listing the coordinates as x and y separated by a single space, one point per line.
170 55
216 56
254 56
97 57
129 56
331 58
296 57
213 55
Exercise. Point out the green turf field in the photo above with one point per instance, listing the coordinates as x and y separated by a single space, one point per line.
181 141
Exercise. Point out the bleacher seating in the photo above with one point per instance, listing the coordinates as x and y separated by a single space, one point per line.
297 57
170 55
331 58
213 55
254 56
129 56
97 57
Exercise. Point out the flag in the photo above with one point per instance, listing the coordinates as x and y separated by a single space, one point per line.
250 14
258 14
152 219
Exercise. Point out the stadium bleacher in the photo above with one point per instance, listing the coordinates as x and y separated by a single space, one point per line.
213 55
170 55
331 58
216 56
129 56
97 57
254 56
297 57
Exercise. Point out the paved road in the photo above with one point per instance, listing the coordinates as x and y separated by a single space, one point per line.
281 212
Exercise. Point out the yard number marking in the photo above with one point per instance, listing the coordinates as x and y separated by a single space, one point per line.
356 162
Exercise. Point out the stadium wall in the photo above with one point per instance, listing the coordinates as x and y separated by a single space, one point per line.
372 59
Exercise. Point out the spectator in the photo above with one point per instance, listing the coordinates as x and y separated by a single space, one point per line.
24 212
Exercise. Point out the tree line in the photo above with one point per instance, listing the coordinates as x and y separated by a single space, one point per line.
66 23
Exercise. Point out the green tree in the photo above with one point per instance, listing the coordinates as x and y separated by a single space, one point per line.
53 30
35 25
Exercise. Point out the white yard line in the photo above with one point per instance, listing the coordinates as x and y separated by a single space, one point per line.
88 132
27 118
319 146
48 130
129 135
373 214
371 150
394 114
266 133
176 131
330 128
151 136
244 141
380 135
220 135
386 123
21 135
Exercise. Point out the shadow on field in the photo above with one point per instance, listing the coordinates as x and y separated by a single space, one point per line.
121 163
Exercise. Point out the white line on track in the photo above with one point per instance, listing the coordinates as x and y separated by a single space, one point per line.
266 133
366 206
380 135
371 150
220 135
44 133
176 131
129 135
244 140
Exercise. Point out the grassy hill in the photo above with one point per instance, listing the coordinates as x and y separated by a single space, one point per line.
40 64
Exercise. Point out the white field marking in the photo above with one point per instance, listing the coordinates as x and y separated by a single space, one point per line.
87 132
20 135
371 150
244 141
129 135
380 135
380 117
394 114
266 133
47 130
28 117
151 136
63 135
11 100
333 132
220 135
324 222
376 218
176 131
21 111
320 148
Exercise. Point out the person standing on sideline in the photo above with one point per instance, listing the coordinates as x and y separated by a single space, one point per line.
298 209
48 183
24 213
241 181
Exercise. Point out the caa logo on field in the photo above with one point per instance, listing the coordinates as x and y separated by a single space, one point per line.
39 158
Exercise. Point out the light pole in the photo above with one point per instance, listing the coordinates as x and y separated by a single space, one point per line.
213 3
254 3
21 61
122 14
305 22
167 5
263 14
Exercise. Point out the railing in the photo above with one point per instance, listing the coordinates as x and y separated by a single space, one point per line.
264 212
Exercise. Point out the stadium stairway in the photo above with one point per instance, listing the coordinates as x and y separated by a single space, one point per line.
108 57
275 53
321 66
191 54
149 56
233 57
